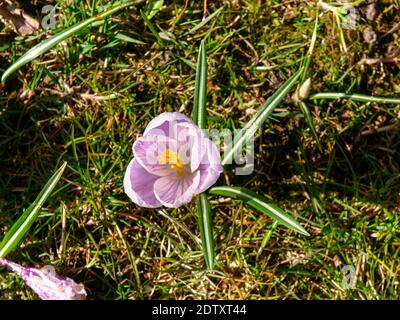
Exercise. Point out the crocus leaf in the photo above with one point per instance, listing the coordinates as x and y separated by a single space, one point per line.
200 94
206 227
303 106
248 131
24 223
260 204
200 118
306 66
354 97
49 43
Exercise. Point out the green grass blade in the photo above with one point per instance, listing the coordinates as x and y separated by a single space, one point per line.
125 38
200 94
255 123
354 97
261 204
154 7
204 22
268 234
341 34
152 28
310 123
206 227
307 60
49 43
23 224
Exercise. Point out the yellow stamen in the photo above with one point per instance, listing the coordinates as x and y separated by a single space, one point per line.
172 158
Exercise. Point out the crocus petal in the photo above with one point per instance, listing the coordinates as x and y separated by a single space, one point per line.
173 191
179 158
198 152
190 141
46 283
139 185
210 167
148 150
186 132
163 122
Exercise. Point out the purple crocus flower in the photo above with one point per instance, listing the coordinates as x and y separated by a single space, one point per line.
46 283
173 161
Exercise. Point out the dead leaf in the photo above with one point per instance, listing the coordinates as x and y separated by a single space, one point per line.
17 19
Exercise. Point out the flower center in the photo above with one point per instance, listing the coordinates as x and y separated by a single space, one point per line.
172 158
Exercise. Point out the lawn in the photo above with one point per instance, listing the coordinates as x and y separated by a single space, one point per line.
331 163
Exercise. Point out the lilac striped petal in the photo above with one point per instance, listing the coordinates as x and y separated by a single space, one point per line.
190 140
176 191
186 132
174 161
163 122
197 153
139 185
210 167
148 151
47 284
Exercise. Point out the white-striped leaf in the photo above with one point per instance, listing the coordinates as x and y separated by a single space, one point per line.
261 204
24 223
200 118
255 123
206 229
200 93
49 43
354 97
